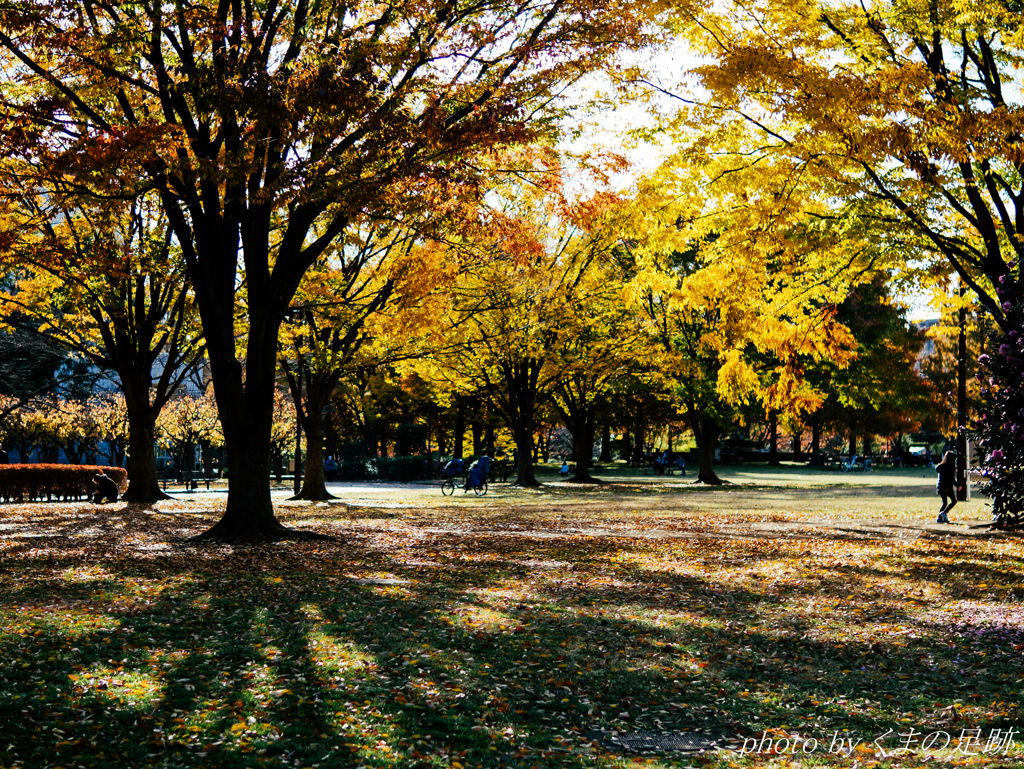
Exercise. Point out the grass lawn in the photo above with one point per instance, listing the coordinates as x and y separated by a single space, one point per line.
822 613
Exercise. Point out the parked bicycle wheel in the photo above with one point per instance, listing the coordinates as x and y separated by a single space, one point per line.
448 487
481 489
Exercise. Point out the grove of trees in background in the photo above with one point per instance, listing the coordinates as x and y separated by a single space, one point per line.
371 213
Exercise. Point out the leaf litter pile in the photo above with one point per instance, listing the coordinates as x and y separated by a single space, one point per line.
797 627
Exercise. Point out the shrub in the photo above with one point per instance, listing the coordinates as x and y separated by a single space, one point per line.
402 468
27 483
999 427
356 469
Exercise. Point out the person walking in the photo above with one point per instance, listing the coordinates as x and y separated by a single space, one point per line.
946 485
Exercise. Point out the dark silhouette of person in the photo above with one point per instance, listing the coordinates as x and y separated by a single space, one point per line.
105 488
946 486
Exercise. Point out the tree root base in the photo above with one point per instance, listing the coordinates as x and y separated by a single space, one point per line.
302 496
273 533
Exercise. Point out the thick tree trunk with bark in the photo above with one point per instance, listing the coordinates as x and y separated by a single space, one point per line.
581 426
773 438
583 443
524 447
576 404
706 431
314 486
249 514
816 458
143 484
245 403
519 407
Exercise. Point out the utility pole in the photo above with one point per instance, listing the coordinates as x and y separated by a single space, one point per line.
961 398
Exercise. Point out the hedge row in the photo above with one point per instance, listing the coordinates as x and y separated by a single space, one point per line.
27 483
383 469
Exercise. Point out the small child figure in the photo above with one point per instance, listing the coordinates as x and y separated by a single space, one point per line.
564 472
105 489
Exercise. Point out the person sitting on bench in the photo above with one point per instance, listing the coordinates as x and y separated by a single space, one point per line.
105 488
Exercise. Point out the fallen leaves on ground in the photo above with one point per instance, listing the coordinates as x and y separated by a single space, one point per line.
516 630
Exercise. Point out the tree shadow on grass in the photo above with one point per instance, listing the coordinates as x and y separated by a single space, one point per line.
250 656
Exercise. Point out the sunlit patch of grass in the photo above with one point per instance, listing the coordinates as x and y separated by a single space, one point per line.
84 574
123 688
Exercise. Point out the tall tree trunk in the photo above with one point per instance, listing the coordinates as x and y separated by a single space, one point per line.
143 486
606 444
707 432
478 438
625 450
246 414
639 439
867 442
798 449
459 439
521 378
250 513
524 446
773 437
314 486
816 440
583 442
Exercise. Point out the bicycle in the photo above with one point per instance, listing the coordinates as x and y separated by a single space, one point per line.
448 487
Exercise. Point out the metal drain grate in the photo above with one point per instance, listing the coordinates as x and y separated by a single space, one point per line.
661 742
